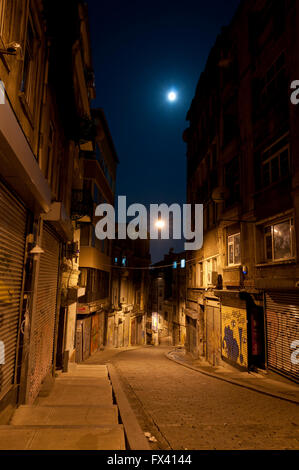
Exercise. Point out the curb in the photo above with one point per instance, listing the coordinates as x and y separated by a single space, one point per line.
134 434
234 382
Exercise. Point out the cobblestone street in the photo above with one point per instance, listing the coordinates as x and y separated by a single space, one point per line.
184 409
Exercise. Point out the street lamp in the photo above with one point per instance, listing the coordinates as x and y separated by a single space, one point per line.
160 224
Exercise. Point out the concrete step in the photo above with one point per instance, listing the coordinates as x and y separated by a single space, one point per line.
62 438
65 415
72 394
86 373
90 381
85 370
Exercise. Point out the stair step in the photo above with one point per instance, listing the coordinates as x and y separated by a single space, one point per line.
72 394
62 438
65 415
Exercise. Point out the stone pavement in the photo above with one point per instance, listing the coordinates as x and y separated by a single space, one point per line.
267 383
77 414
185 409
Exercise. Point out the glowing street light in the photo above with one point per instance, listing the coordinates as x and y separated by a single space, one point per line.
160 224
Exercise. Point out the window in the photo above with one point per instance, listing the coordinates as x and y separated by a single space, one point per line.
275 162
96 194
211 268
233 250
232 181
200 274
28 59
83 277
49 155
279 241
84 235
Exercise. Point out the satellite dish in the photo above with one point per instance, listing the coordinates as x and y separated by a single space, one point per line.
220 194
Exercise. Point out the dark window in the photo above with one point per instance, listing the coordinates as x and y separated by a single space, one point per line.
275 162
232 182
28 55
84 235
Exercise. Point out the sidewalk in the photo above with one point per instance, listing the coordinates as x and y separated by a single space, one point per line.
268 384
77 414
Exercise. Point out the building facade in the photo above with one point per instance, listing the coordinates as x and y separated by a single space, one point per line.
167 323
129 293
242 154
45 95
95 255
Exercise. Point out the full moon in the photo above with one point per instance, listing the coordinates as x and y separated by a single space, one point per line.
171 96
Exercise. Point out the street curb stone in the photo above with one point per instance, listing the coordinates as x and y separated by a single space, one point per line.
133 431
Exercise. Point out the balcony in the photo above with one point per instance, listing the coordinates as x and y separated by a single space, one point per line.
82 204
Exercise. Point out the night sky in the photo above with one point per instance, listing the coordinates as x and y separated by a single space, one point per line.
141 50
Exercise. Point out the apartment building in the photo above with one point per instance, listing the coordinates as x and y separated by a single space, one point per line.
242 156
45 95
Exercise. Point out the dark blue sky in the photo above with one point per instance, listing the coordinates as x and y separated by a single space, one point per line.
141 49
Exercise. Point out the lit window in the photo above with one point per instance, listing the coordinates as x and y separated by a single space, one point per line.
183 263
233 250
279 241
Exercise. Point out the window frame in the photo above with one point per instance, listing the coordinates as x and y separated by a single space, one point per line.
271 157
292 240
228 244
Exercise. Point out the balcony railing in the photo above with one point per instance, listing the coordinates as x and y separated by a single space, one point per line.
82 204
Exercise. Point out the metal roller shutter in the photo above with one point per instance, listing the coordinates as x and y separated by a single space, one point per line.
282 326
12 248
44 314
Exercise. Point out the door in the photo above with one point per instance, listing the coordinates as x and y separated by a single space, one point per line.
12 249
213 334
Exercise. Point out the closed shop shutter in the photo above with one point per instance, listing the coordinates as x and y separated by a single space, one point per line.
126 331
12 248
282 328
79 341
139 330
133 331
44 314
110 331
86 337
95 333
102 329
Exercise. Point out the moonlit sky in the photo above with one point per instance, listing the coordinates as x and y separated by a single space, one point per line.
141 51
